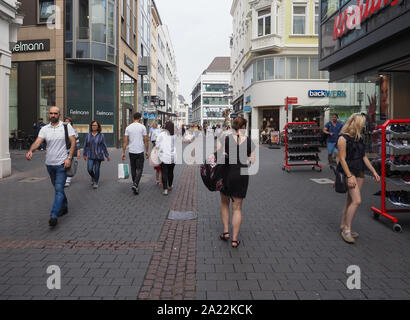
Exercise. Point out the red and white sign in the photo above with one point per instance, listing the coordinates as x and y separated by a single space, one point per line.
355 15
291 100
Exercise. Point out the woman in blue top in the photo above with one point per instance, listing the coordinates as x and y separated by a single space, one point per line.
95 149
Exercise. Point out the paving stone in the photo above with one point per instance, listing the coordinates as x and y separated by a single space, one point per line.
240 295
106 291
285 295
248 285
226 285
263 295
84 291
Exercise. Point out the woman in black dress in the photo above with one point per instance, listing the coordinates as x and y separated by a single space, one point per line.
238 150
353 161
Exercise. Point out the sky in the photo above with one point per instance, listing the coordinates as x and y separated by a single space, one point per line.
200 31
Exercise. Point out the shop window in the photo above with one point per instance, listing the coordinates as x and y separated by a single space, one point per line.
111 28
291 68
98 10
83 20
69 20
299 19
264 22
314 68
46 9
329 7
47 81
303 68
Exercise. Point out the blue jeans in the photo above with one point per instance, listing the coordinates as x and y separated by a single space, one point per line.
332 147
58 177
93 167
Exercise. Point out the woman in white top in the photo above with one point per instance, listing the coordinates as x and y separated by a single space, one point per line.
166 142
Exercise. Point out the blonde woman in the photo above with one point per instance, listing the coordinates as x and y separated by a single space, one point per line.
353 162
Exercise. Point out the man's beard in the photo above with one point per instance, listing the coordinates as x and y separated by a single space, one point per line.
53 120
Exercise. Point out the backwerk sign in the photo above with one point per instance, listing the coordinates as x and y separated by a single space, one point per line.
31 46
327 93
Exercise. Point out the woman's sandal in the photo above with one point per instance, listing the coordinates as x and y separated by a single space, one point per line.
238 242
222 236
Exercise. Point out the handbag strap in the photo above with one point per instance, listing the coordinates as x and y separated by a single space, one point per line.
67 139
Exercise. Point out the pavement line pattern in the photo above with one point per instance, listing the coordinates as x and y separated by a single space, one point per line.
73 244
171 272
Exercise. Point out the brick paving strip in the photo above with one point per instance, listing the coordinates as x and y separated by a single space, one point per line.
171 272
73 244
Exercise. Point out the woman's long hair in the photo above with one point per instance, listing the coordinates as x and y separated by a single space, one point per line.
354 126
91 126
169 126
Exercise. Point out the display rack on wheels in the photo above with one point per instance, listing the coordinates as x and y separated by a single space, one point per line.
302 142
394 168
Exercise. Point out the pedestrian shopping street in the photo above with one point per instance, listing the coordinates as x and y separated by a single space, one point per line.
113 244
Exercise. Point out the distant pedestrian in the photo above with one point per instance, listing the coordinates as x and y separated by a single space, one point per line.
153 133
58 158
183 130
167 154
235 185
37 127
95 149
332 130
136 137
353 161
76 150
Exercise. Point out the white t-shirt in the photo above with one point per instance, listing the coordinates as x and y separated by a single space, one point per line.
55 139
135 133
167 148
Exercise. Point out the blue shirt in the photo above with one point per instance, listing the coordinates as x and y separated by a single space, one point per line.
335 129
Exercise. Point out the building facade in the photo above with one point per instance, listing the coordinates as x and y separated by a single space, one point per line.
274 55
10 21
368 57
182 112
209 94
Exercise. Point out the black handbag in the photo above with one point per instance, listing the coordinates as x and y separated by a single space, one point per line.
341 181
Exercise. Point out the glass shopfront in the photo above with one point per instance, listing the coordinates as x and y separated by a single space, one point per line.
128 88
47 86
91 96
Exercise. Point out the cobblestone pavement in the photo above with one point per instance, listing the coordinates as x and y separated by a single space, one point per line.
115 245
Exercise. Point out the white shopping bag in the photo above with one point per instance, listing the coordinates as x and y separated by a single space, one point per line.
154 158
123 171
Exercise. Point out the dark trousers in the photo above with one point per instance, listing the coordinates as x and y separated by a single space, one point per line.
167 174
137 166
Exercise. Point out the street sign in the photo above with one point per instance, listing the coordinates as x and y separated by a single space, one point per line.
142 70
292 100
247 108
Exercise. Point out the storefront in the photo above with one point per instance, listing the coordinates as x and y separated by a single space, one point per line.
367 54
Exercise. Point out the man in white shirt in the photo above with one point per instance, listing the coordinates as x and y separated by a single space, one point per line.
137 138
58 158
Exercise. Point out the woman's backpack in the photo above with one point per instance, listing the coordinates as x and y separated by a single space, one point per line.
212 173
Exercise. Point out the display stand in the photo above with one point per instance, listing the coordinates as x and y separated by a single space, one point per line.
393 145
302 145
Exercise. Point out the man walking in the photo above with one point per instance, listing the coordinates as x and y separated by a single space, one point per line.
332 130
136 137
58 158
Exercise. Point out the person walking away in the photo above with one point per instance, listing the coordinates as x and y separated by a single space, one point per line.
153 133
37 127
332 130
58 158
167 154
235 185
136 137
353 161
95 149
76 150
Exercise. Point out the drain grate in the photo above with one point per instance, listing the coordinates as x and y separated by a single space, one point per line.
182 215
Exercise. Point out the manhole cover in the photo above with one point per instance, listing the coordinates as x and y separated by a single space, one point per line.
181 215
323 181
33 179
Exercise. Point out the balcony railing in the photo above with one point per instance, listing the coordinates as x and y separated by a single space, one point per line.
270 41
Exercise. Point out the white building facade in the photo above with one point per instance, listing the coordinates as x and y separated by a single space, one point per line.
274 54
10 21
209 94
182 112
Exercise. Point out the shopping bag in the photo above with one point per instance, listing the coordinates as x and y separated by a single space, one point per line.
123 171
154 158
72 170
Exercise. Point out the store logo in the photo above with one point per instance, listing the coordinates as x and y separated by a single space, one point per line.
31 46
327 93
79 112
355 15
104 113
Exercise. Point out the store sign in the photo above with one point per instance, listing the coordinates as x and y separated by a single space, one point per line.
247 108
327 93
162 103
353 16
142 70
31 46
128 62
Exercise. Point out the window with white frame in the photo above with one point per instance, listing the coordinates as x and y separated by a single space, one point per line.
299 18
277 22
316 26
46 9
264 22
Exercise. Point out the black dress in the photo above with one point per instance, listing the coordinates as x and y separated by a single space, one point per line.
235 185
355 151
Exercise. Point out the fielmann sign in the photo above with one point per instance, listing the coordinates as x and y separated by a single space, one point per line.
31 46
353 17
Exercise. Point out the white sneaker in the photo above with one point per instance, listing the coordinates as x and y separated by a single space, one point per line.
67 184
95 186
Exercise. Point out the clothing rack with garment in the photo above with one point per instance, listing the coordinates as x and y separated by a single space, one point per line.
302 142
392 140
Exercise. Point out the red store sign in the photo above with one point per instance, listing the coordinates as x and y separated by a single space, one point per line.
355 15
